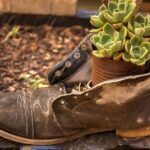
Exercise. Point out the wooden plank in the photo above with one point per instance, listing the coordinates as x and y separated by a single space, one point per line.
44 7
88 4
63 7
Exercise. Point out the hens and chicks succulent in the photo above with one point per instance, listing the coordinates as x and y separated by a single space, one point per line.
120 34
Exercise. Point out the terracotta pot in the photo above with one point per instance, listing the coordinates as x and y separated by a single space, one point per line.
105 69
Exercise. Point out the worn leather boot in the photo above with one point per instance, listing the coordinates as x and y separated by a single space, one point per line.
43 117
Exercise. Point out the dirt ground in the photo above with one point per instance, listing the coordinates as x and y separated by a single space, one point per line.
27 53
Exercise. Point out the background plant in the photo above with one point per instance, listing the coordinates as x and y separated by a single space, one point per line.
13 33
34 82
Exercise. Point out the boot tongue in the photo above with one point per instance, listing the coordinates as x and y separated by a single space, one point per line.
76 67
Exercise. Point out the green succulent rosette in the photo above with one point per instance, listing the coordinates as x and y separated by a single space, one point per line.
109 42
119 11
139 25
137 51
99 20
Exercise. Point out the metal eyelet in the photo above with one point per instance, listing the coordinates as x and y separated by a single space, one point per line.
87 94
68 64
91 38
62 102
77 55
83 47
58 73
75 97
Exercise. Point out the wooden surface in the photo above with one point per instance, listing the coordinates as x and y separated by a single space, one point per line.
146 7
44 7
54 7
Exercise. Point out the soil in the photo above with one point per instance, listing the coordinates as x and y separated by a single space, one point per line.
32 51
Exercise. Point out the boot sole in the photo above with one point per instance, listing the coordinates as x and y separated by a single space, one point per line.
134 133
53 141
128 134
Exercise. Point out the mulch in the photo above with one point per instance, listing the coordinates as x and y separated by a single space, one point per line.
33 52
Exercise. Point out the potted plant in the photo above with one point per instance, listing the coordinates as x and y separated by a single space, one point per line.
121 41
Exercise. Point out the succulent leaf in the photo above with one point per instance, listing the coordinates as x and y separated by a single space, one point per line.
135 41
109 53
108 29
117 56
126 57
105 38
112 6
141 62
99 20
146 45
95 39
116 47
102 18
107 45
139 31
102 7
119 16
134 60
127 46
137 51
109 17
122 34
144 52
99 46
147 31
119 11
98 54
140 19
122 6
139 25
95 21
129 12
110 40
131 52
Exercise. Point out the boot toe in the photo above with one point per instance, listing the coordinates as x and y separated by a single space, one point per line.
11 113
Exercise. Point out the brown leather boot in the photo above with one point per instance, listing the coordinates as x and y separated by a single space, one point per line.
43 117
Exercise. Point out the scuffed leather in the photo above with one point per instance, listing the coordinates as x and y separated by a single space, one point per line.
29 114
115 104
44 114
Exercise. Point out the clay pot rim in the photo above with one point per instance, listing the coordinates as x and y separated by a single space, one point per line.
111 60
114 61
104 69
